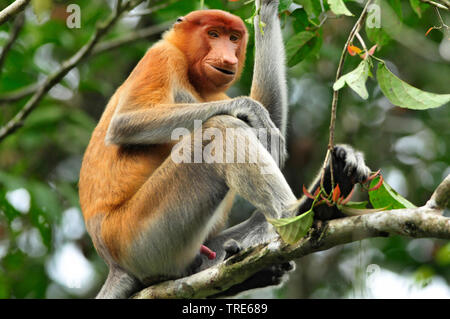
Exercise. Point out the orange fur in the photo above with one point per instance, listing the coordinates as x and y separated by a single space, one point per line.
112 177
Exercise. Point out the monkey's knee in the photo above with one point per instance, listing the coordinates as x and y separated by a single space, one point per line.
223 122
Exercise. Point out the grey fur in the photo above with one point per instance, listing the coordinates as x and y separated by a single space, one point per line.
269 74
119 283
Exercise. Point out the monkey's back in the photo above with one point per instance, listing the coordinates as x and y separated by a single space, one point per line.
110 175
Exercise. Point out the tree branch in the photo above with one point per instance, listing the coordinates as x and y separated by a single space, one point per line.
15 30
51 80
12 10
425 221
129 38
99 48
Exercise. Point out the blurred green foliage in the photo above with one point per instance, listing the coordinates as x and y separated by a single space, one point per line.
42 159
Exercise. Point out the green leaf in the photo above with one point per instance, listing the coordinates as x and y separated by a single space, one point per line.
386 197
357 209
300 22
404 95
357 205
418 7
284 5
299 46
377 35
293 229
338 7
312 8
355 79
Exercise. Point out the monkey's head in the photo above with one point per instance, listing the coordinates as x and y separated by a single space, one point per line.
214 43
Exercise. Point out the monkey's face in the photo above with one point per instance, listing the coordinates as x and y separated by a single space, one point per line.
220 65
216 42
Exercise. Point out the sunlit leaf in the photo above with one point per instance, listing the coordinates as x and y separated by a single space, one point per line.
386 197
355 79
293 229
338 7
284 5
402 94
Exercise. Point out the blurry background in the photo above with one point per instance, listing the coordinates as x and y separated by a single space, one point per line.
45 251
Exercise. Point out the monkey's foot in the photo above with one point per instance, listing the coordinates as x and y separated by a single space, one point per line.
272 275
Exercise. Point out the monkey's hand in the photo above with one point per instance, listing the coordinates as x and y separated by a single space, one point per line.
349 168
252 112
256 116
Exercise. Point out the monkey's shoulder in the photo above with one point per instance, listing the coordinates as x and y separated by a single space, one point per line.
164 54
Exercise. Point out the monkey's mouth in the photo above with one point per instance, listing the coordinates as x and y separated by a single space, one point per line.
224 71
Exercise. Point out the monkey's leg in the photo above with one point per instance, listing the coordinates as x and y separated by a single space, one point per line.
348 168
160 230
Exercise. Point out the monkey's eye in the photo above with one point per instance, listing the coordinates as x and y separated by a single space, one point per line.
213 34
180 19
234 38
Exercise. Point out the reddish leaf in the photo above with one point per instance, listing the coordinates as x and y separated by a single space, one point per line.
336 193
307 194
371 51
353 50
317 191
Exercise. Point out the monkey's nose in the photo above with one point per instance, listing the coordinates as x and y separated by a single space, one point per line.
230 59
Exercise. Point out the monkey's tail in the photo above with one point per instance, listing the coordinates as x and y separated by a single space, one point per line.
119 285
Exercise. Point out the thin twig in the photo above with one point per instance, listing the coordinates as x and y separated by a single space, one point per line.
66 66
334 102
15 30
363 44
19 94
440 18
129 38
99 48
437 5
12 10
150 10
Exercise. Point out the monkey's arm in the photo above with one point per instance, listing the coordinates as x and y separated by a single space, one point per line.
156 123
269 78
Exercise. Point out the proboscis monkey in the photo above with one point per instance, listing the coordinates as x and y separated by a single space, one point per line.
149 215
